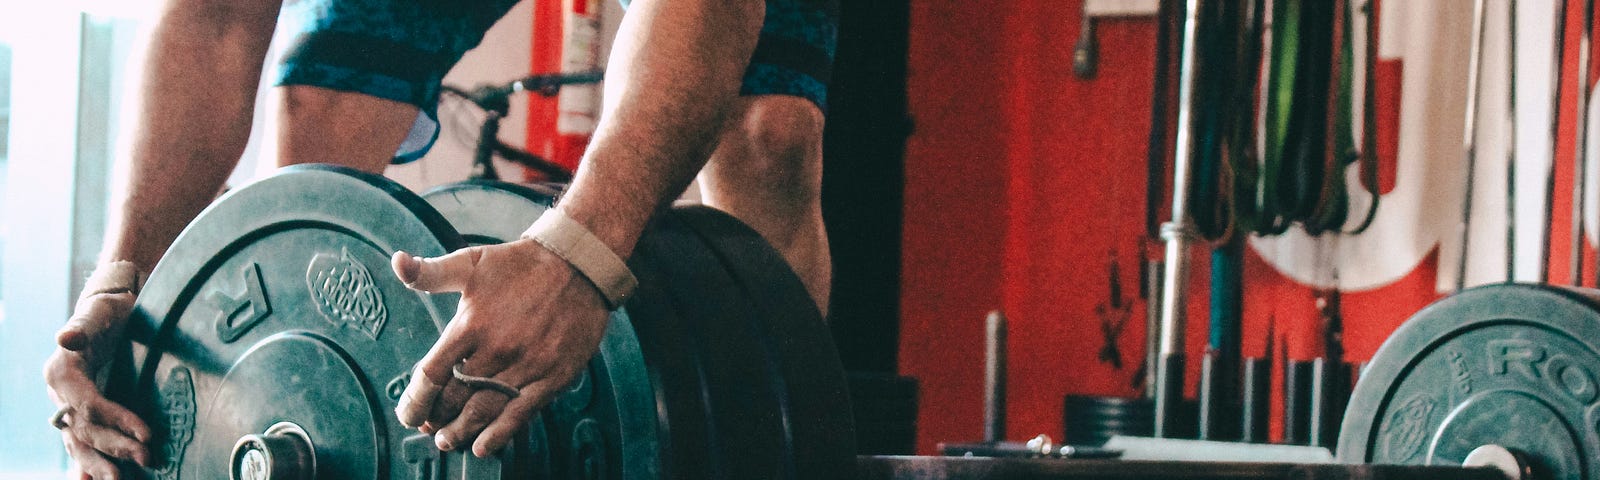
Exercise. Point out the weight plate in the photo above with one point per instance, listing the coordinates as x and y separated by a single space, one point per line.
604 424
273 335
748 438
1508 365
676 364
809 380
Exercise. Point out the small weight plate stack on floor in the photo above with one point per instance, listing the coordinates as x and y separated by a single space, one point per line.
1508 365
1091 420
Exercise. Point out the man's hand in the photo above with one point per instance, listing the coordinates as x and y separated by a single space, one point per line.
526 319
94 429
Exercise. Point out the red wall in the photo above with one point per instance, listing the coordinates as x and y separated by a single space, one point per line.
1021 181
955 222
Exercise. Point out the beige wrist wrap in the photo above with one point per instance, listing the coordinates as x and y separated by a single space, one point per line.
121 276
587 254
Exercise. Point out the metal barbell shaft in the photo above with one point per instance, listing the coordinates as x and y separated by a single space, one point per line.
894 468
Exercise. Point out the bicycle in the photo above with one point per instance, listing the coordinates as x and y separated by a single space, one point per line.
495 101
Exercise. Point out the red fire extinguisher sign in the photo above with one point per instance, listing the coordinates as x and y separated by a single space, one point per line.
566 38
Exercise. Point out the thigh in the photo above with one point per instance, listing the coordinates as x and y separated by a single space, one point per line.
794 56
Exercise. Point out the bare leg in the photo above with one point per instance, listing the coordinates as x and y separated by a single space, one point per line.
767 171
318 125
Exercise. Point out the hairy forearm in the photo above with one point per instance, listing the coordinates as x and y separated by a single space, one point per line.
197 93
673 74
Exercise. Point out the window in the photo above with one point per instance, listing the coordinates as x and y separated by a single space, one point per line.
61 77
5 124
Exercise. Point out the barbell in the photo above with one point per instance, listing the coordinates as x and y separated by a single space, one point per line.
272 342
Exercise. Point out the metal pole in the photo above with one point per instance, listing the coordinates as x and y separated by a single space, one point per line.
1152 325
1580 163
1511 151
1177 233
1156 164
994 379
1555 125
1469 140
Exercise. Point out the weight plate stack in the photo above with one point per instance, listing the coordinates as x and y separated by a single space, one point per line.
808 376
273 341
1091 420
1509 365
723 332
746 428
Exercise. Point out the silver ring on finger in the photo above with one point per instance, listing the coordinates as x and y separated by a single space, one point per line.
59 419
484 383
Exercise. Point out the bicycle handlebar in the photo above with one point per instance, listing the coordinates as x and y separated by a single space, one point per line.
496 98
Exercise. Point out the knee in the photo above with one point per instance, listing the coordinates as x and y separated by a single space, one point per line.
783 131
780 149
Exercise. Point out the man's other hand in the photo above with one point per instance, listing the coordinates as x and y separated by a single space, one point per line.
527 320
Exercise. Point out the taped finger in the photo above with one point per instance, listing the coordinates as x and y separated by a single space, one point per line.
416 404
432 373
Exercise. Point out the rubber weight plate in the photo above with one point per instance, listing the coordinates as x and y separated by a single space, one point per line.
809 378
746 428
604 424
273 340
1509 365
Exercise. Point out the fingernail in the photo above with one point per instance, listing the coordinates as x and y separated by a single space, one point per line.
480 453
443 443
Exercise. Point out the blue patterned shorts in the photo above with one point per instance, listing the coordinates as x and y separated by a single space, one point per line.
400 50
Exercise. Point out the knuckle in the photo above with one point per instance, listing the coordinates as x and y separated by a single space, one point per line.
477 413
93 410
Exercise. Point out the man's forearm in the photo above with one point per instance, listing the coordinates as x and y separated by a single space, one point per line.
197 93
673 74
